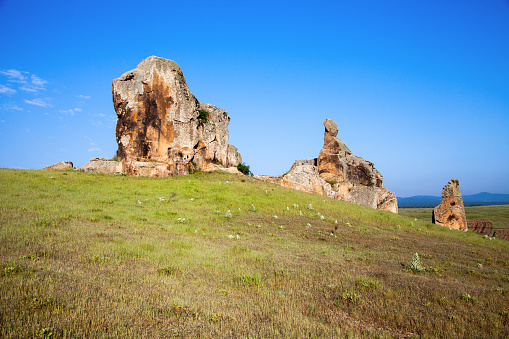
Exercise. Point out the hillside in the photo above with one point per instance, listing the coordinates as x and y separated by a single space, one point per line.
90 255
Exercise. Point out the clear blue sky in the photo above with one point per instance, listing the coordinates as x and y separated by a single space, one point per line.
419 88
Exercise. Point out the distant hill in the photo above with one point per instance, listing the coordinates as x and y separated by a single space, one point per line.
479 199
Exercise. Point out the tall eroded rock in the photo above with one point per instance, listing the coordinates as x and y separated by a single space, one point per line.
451 212
338 174
337 163
161 122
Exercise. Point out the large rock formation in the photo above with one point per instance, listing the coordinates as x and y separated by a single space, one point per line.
162 129
338 174
451 213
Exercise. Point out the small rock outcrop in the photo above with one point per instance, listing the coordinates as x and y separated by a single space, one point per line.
101 165
61 165
484 227
162 129
338 174
451 212
501 234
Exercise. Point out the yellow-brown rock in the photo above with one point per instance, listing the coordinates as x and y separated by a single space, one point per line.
451 212
162 129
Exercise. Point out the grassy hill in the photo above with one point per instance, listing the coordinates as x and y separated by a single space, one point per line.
86 255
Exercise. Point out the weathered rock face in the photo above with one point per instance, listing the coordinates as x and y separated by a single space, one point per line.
484 227
353 179
101 165
160 120
61 165
451 213
501 234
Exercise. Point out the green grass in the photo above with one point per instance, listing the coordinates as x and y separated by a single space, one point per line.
497 214
89 256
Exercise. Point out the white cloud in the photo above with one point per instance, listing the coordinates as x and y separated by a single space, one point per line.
6 90
38 81
94 149
15 75
81 96
71 111
38 102
29 88
12 107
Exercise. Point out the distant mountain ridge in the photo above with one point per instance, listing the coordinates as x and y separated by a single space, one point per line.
483 198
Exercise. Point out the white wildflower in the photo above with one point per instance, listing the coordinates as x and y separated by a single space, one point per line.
259 226
237 236
228 214
230 236
192 199
275 217
322 217
253 208
300 214
139 202
287 208
310 207
336 222
308 225
295 206
226 182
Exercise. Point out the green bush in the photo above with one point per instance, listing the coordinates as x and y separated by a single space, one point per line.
203 116
243 168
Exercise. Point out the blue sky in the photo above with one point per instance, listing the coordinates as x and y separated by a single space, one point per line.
419 88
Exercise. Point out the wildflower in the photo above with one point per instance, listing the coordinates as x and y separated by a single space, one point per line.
259 226
192 199
348 224
139 202
266 192
287 208
300 214
228 214
146 200
237 236
308 225
181 220
415 264
295 206
275 217
336 222
310 207
226 182
218 212
230 236
281 227
253 208
161 199
322 217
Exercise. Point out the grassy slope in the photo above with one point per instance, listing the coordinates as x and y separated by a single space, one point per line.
497 214
84 255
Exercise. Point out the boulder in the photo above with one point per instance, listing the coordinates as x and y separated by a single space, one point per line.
101 165
484 227
61 165
160 121
451 212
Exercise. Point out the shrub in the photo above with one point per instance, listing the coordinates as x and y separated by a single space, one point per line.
203 116
415 264
243 168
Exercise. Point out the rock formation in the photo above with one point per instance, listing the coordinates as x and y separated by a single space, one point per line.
451 213
338 174
484 227
501 234
61 165
162 129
